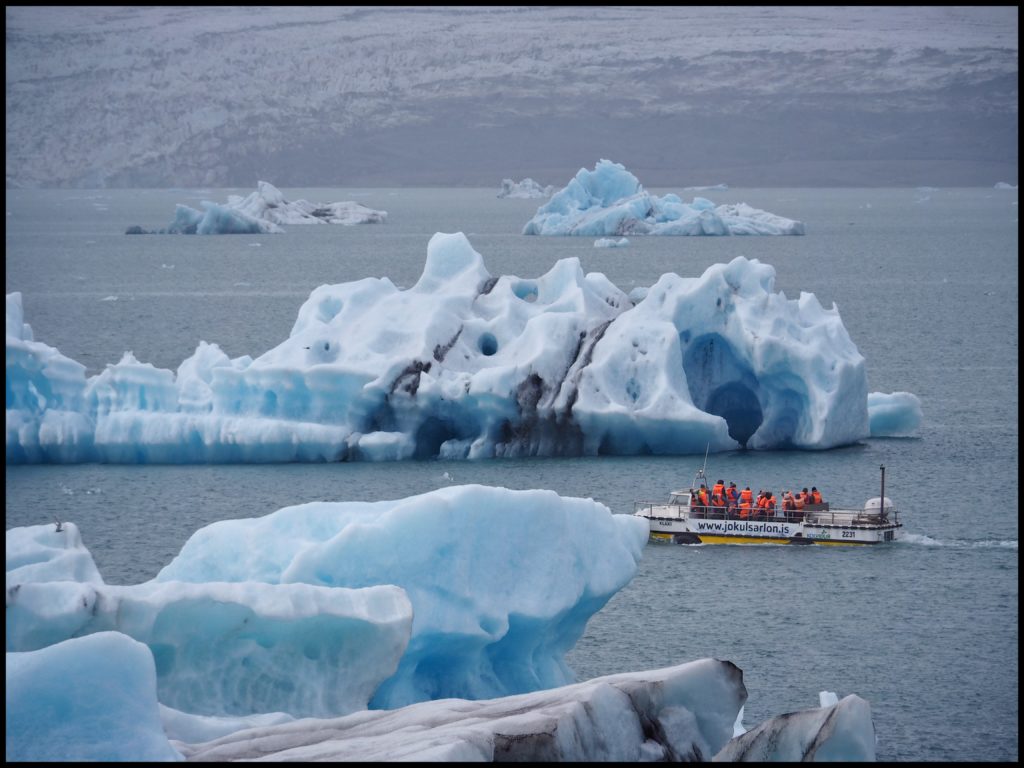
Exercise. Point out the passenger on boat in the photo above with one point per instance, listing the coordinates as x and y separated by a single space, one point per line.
746 502
799 500
815 496
718 500
762 504
732 497
771 508
703 500
788 503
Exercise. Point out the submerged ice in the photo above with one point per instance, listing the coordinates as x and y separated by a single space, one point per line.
611 201
263 211
433 627
477 367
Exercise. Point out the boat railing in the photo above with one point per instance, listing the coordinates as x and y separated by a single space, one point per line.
819 514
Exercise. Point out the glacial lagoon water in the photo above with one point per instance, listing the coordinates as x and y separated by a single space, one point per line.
926 282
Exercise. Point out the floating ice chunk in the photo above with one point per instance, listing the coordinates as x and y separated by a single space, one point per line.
306 650
610 201
497 619
677 714
527 188
842 731
41 553
90 699
262 212
466 365
607 242
897 414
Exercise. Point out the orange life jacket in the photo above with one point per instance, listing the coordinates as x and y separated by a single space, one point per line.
816 497
702 497
746 497
718 493
798 501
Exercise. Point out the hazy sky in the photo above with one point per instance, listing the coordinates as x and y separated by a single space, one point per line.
333 96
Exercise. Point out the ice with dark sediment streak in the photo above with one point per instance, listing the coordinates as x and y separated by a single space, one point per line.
467 365
263 211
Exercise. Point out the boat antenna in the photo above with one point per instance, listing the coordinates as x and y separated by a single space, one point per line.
882 502
700 472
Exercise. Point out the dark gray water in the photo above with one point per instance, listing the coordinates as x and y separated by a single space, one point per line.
926 283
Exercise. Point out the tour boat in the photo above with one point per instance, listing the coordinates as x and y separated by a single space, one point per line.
676 521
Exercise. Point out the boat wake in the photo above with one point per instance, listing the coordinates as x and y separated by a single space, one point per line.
927 541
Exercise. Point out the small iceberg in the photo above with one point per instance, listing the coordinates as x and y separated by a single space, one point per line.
526 188
610 201
608 242
261 212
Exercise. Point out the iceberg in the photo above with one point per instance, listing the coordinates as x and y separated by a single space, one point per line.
346 584
428 628
610 242
90 699
263 211
896 414
478 367
610 201
527 188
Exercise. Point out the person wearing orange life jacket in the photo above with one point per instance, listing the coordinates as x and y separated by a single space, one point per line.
718 492
703 501
799 501
771 506
788 503
746 502
815 495
732 497
762 504
718 498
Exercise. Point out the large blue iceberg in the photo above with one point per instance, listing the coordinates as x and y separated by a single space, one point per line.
610 201
263 211
428 628
466 365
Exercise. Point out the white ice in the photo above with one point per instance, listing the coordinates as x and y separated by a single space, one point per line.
611 201
476 367
611 242
263 211
527 188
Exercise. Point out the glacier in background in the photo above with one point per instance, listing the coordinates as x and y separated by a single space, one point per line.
611 201
432 627
466 365
263 211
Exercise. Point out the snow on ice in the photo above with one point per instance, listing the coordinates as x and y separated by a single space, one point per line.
479 367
